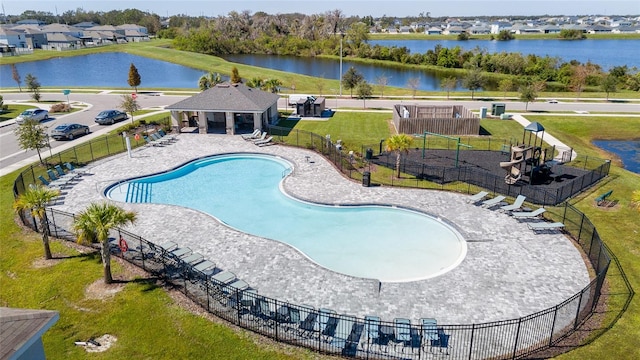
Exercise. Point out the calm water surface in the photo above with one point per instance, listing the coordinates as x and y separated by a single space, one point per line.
628 151
104 70
606 52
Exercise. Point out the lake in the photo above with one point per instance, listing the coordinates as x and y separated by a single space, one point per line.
112 69
104 70
605 52
628 151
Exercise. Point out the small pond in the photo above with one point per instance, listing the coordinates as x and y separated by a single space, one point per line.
627 150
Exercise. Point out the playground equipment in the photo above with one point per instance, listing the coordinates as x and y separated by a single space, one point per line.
531 156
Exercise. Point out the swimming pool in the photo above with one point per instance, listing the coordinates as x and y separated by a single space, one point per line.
244 191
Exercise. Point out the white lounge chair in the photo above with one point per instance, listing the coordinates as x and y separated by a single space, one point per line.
254 135
542 226
516 204
264 142
528 214
493 202
477 197
261 138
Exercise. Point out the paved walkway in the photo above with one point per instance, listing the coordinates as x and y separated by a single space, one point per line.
508 271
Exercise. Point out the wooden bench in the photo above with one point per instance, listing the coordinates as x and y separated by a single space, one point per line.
602 199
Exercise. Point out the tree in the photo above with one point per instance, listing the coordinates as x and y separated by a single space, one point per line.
413 84
505 85
579 79
255 83
35 200
382 82
527 95
351 79
273 85
94 224
16 76
364 91
463 36
399 143
134 78
505 35
34 86
235 76
448 84
129 105
32 136
209 80
473 81
609 84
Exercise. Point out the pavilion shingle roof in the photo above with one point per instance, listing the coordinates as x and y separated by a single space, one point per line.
226 97
19 326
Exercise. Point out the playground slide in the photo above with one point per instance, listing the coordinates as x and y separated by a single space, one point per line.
507 165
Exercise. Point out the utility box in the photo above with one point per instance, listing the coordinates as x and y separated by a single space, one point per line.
368 154
366 179
498 109
483 113
505 116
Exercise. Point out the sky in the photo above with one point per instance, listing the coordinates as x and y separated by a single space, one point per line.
376 8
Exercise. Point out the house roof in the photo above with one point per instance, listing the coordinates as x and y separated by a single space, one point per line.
228 97
60 28
20 327
61 38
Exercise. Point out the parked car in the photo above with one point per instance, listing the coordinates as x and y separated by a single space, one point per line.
32 114
69 131
110 117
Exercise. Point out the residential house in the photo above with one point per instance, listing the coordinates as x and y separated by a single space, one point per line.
22 331
433 31
12 38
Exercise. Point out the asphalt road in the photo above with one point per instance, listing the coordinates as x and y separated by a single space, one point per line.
12 157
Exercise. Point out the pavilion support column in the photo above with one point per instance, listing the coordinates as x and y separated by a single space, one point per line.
230 123
257 121
176 124
202 122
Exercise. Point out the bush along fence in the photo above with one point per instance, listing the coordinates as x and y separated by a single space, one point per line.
326 331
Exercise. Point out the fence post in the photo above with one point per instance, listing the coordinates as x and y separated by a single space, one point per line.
91 150
53 220
553 325
276 318
473 330
515 345
575 323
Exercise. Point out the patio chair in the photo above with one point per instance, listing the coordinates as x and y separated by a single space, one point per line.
528 214
477 197
517 204
342 332
72 169
265 142
545 226
254 135
371 334
442 342
326 322
155 136
45 182
171 138
308 317
260 138
52 175
151 142
224 277
402 331
429 330
59 170
493 202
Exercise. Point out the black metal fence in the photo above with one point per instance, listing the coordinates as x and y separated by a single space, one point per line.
324 330
496 184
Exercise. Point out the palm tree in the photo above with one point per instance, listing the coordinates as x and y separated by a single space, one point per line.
35 199
399 143
95 222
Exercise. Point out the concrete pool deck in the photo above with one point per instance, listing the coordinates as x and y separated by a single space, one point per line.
508 272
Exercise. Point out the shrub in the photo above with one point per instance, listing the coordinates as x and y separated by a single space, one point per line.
60 107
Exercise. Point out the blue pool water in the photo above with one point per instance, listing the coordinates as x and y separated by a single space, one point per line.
242 191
